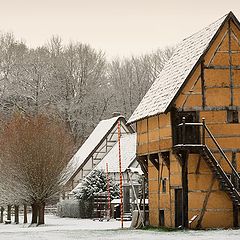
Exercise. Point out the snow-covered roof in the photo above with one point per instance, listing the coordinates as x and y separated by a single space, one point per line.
91 143
128 154
175 72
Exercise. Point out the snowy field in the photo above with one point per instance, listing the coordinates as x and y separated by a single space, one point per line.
67 228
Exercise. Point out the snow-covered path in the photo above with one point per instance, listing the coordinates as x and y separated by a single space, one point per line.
73 229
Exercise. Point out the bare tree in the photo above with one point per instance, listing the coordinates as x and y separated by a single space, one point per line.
130 78
77 78
34 152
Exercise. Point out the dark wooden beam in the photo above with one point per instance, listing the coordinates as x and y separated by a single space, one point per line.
142 160
184 157
203 85
198 165
166 158
216 67
235 183
230 62
154 159
205 202
207 108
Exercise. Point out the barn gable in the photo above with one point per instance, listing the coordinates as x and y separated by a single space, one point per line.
177 71
94 149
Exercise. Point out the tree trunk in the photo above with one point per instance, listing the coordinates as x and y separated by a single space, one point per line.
1 214
41 213
25 213
34 213
9 207
16 213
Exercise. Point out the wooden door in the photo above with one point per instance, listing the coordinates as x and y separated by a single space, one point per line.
192 133
178 207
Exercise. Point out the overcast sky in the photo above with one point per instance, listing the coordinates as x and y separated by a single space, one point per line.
119 27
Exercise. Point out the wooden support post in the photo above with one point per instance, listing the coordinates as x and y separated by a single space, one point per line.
230 62
109 193
235 182
120 171
135 197
203 85
144 199
183 130
203 131
159 192
184 156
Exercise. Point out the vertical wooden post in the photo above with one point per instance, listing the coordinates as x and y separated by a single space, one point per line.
235 182
230 62
185 190
203 131
144 199
203 85
108 191
120 172
183 130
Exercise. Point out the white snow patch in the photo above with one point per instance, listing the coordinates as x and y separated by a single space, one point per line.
71 229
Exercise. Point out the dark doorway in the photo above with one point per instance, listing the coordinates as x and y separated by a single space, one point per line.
192 133
178 207
161 218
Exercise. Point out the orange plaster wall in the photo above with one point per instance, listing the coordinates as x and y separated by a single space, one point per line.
154 134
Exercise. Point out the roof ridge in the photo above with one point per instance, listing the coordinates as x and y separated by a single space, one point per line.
208 26
177 70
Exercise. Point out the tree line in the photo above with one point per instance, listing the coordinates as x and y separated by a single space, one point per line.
51 98
74 82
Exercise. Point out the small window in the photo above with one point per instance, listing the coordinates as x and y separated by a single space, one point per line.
164 185
232 116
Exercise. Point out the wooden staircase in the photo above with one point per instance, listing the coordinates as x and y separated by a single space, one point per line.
221 175
227 185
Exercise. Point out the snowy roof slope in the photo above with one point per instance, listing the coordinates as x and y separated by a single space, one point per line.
91 143
175 72
128 154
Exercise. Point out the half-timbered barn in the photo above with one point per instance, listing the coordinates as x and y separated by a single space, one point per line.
188 132
94 149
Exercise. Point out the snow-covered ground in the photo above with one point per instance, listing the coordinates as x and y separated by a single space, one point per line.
72 229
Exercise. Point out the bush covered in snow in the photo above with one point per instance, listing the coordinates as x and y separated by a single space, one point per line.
75 208
94 183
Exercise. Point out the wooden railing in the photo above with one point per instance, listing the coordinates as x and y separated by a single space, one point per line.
205 130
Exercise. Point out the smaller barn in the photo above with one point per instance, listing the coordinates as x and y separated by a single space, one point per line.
128 160
94 149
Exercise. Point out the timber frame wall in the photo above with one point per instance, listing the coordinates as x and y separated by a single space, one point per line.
212 92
